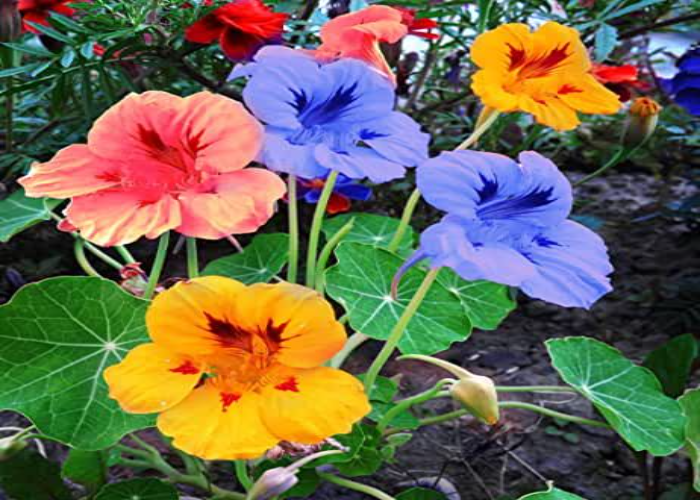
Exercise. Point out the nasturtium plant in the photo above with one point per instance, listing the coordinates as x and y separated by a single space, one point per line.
628 396
287 211
58 336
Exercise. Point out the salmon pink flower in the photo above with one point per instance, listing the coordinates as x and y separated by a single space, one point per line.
357 35
234 370
38 11
241 27
156 162
623 80
546 73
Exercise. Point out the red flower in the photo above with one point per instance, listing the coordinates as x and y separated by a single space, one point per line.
242 27
418 27
37 11
622 80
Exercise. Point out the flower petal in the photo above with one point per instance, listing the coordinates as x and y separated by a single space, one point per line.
205 30
187 317
118 217
217 425
74 171
282 156
397 138
234 203
359 163
589 96
308 406
151 379
572 266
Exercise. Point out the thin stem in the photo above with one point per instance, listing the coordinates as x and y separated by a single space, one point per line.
354 341
406 217
552 413
398 330
126 255
242 474
430 58
158 263
484 16
326 252
316 226
192 260
79 250
535 388
487 118
405 404
293 211
619 156
92 248
352 485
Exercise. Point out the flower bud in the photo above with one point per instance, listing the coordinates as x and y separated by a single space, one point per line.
10 20
478 395
272 483
10 446
641 123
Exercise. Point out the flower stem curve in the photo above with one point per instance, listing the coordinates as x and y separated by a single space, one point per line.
316 225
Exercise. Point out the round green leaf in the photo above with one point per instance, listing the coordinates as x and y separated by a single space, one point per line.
138 489
672 363
361 283
486 303
264 258
57 337
369 229
17 213
29 476
691 406
551 494
628 396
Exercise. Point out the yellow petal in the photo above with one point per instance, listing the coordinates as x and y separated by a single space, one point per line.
494 48
218 425
552 37
194 316
587 95
307 406
151 379
489 86
550 111
295 318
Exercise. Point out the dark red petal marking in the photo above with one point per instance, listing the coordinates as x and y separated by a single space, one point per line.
109 176
186 368
517 57
569 89
290 385
227 399
229 335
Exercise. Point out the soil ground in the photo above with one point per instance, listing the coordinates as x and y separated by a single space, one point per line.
657 280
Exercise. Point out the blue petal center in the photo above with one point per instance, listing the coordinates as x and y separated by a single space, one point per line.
491 206
330 110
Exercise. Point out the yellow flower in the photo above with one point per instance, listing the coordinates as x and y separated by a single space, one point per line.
234 369
545 73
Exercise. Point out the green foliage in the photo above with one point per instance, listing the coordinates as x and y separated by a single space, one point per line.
552 493
370 229
29 476
58 336
88 468
628 396
141 489
672 362
361 283
691 406
420 494
365 457
259 262
17 213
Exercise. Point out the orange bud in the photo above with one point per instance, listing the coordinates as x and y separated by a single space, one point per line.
641 123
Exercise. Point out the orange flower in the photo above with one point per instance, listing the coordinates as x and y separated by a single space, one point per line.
622 80
546 73
156 162
358 34
234 369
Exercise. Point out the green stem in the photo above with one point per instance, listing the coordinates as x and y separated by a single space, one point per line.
192 260
293 211
126 255
158 262
405 220
405 404
352 485
488 116
536 388
79 250
552 413
326 252
354 341
316 226
621 155
93 249
242 474
484 15
438 419
398 330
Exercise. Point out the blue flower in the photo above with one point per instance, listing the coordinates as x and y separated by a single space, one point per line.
344 190
685 86
507 222
322 117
